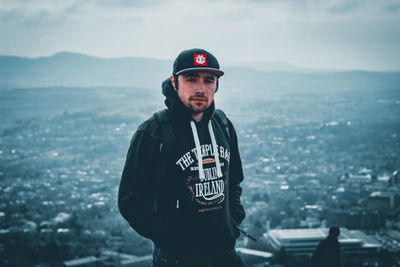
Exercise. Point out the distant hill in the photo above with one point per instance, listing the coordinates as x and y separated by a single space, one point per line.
71 69
292 82
273 66
76 70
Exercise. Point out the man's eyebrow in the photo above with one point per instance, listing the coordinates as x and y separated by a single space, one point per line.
210 78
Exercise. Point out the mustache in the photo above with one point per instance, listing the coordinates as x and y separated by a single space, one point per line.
197 95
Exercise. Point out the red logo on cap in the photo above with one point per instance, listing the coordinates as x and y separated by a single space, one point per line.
200 60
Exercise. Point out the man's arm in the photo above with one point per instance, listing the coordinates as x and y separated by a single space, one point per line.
236 177
137 188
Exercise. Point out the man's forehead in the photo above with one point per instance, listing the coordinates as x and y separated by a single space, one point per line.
199 73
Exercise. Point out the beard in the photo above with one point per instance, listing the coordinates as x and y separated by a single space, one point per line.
198 103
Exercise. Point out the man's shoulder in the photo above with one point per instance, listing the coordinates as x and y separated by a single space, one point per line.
329 243
322 244
220 113
224 119
150 126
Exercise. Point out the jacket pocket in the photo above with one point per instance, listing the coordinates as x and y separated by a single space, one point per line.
167 228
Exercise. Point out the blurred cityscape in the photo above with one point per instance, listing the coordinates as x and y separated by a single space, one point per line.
311 161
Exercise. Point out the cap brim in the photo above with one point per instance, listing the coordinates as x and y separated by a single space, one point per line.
217 72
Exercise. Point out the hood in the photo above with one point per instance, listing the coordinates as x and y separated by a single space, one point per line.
182 117
179 112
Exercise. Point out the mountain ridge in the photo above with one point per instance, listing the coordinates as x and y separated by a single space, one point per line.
66 69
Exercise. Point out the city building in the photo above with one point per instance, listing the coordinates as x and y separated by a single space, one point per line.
301 243
381 201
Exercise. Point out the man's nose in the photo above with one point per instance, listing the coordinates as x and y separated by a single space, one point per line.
200 87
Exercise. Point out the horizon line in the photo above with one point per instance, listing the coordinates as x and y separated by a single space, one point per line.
295 69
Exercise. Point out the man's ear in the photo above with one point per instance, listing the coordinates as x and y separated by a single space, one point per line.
173 82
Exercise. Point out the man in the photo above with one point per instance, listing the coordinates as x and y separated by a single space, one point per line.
180 186
328 251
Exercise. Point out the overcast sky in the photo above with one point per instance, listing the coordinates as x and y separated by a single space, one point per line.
340 34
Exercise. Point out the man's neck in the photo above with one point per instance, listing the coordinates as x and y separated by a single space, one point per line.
197 116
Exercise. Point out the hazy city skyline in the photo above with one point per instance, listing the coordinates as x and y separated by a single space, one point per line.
340 34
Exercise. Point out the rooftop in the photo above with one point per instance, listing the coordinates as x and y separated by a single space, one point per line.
306 240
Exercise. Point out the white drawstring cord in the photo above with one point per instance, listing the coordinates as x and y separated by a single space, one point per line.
215 148
198 149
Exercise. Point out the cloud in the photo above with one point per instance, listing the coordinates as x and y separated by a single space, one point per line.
49 11
127 3
345 6
12 15
392 7
324 6
30 18
302 32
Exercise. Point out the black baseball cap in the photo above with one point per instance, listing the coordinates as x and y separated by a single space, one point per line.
196 59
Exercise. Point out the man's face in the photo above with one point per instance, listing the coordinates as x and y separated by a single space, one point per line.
196 89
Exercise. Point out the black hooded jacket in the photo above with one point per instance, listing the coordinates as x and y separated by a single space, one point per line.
181 211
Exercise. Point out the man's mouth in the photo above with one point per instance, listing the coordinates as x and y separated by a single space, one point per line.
199 99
